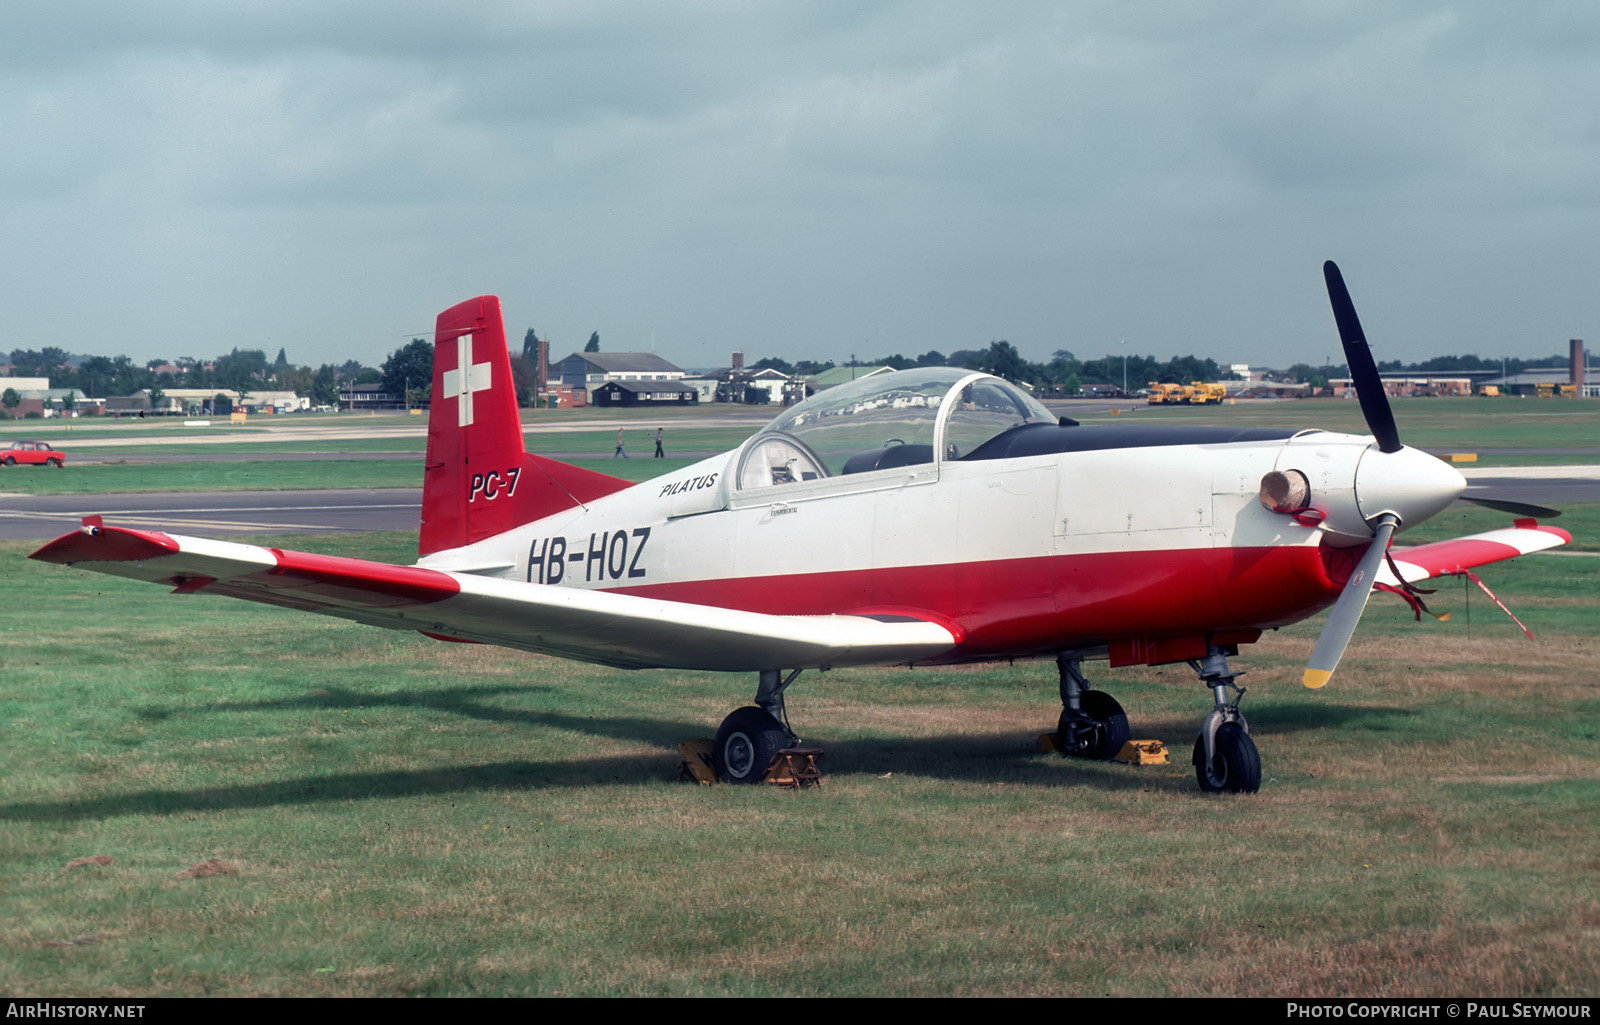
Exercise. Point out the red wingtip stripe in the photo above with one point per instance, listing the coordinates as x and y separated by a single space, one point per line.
106 544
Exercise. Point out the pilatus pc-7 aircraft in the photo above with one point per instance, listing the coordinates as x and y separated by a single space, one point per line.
922 517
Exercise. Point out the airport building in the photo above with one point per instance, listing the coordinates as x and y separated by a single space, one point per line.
641 379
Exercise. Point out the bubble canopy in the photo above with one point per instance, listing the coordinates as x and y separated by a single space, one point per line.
887 420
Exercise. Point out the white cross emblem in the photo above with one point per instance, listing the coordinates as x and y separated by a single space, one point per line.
468 377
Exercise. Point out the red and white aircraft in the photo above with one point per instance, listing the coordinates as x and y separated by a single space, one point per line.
921 517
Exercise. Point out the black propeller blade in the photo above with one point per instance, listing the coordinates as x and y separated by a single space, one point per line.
1363 371
1538 512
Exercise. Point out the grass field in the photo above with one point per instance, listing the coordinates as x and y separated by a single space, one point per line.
1480 426
245 474
1497 432
395 816
392 816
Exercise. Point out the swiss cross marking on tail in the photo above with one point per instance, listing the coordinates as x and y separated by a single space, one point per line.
468 377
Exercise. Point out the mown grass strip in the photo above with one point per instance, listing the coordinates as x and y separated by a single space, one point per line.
268 475
407 817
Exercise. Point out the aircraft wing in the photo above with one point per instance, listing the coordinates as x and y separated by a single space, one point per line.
619 630
1447 558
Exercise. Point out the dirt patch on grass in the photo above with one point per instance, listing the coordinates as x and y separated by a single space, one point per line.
214 867
99 860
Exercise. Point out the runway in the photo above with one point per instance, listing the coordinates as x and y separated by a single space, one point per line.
221 513
216 513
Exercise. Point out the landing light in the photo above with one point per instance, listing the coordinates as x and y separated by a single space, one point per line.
1285 491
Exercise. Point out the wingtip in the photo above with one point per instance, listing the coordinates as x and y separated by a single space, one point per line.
97 543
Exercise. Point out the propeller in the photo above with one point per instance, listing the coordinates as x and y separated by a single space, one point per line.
1538 512
1341 625
1363 371
1347 610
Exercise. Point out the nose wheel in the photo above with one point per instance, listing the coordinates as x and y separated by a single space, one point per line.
1225 758
1234 766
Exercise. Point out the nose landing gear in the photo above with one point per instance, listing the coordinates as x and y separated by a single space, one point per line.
1225 758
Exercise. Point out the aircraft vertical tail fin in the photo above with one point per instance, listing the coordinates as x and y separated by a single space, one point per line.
479 480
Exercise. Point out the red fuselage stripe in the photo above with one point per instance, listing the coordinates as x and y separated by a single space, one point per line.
1013 606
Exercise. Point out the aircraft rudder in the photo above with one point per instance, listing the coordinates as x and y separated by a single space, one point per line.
479 479
473 422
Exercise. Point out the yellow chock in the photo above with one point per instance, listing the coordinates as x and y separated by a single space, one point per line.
1463 457
696 763
793 767
1143 752
1134 752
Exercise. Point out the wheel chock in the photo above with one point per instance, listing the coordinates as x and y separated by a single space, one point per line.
795 767
696 764
1142 752
1134 752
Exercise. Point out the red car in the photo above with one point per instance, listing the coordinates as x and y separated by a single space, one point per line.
33 453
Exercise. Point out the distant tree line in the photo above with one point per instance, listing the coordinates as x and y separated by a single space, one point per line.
1062 374
241 371
1318 376
1065 374
409 370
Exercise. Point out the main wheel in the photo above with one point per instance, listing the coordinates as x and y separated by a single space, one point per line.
1236 766
745 744
1111 727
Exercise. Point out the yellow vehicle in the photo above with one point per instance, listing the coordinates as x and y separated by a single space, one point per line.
1489 391
1544 391
1203 394
1169 394
1567 391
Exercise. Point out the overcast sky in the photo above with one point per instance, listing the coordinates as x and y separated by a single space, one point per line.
807 180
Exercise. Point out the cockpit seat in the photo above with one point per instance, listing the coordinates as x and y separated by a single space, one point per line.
888 457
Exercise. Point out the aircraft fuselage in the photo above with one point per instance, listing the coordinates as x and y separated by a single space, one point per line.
1147 548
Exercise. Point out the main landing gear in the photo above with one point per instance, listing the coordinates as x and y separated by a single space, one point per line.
1225 759
1092 724
750 736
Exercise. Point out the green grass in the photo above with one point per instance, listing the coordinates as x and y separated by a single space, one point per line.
240 475
1484 427
273 475
1474 425
407 817
1580 519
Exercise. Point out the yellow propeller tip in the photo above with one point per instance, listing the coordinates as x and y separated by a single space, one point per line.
1315 678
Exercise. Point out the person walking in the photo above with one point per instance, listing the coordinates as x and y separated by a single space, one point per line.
619 453
659 454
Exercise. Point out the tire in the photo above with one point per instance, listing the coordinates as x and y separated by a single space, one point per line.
1113 732
11 460
745 744
58 464
1236 767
